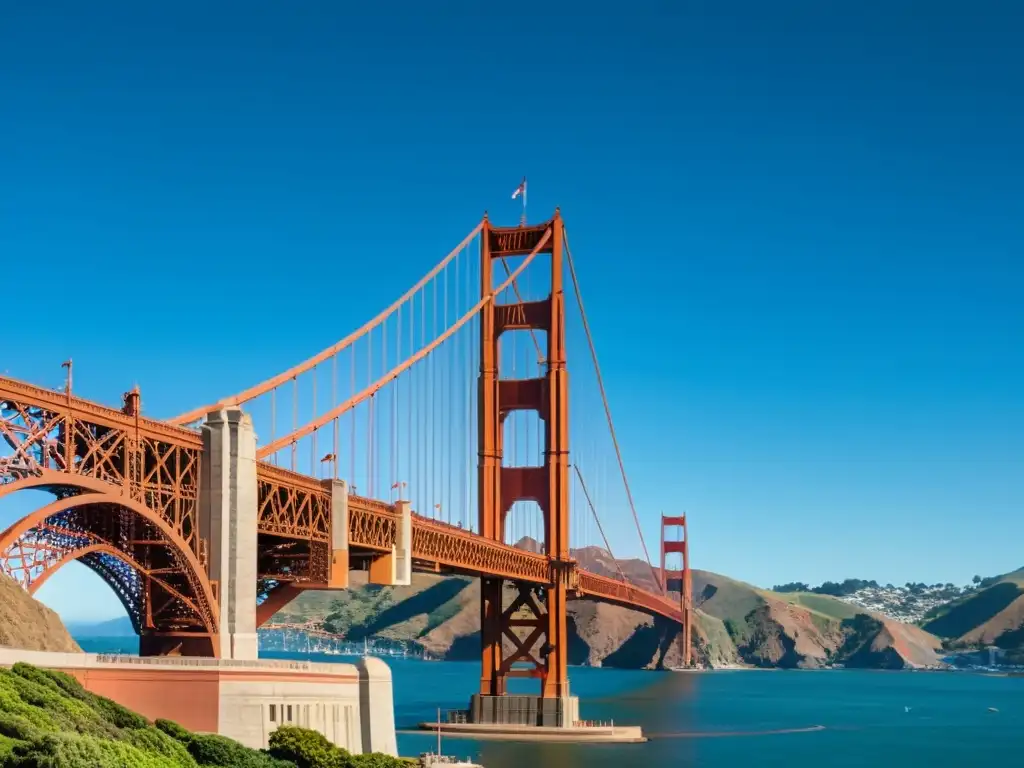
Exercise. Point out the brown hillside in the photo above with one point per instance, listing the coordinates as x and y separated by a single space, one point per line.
1008 620
27 624
913 644
735 623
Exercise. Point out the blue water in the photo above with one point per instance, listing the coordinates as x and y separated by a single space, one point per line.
725 718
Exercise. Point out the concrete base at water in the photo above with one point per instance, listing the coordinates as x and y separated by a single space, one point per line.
617 734
524 710
531 718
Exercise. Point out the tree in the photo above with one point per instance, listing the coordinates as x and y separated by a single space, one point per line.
976 579
793 586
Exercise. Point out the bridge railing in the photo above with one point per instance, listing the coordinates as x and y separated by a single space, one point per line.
459 549
627 594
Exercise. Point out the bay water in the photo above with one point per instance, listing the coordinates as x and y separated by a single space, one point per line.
724 718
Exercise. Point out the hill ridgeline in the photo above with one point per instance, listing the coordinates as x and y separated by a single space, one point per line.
736 624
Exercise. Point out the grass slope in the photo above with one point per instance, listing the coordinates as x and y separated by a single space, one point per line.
397 613
983 616
48 720
823 605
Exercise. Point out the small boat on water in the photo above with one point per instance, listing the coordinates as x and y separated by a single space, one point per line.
432 759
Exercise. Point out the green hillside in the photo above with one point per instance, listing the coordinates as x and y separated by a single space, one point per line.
824 605
736 624
48 720
982 615
732 600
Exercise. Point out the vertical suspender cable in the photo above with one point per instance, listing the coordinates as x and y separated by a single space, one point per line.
369 420
273 419
334 402
312 460
608 412
352 447
295 416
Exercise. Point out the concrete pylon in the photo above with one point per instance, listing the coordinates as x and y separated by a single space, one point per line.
338 578
229 511
394 568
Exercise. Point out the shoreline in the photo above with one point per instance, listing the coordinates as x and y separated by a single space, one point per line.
112 640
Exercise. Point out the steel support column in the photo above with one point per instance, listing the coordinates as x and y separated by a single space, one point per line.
534 624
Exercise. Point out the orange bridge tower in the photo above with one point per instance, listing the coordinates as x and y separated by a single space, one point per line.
679 580
524 627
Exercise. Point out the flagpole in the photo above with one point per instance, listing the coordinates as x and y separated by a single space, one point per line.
523 221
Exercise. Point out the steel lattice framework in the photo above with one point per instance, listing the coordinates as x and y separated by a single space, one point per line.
125 493
161 463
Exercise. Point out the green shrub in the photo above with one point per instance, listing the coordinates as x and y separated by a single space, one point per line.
156 742
306 748
7 745
75 750
174 730
19 727
51 709
377 760
68 684
114 713
11 703
209 749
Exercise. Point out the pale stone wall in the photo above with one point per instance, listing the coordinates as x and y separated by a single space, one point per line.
376 703
250 710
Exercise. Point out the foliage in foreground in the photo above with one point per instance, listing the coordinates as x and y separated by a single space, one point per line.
311 749
48 720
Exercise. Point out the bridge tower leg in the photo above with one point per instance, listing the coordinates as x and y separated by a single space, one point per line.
679 580
228 504
539 613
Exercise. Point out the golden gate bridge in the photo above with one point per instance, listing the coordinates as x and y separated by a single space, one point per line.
439 429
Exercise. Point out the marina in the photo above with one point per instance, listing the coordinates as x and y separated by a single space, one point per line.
300 639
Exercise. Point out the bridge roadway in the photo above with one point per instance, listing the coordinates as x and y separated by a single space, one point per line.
127 456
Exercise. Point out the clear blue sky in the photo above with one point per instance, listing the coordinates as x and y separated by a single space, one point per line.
800 229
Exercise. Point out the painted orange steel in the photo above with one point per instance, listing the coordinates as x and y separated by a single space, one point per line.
126 498
121 482
312 426
683 576
539 638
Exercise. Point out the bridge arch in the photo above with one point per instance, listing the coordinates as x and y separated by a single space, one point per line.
151 568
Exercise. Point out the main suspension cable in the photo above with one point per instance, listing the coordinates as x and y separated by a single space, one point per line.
266 386
365 394
593 511
608 411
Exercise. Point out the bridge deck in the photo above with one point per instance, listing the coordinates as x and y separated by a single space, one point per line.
124 449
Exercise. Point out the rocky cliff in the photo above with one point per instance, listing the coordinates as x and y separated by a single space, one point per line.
28 624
